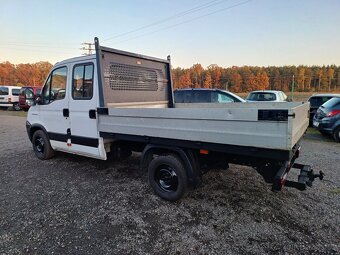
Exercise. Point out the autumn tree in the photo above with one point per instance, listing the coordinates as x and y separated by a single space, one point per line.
196 75
235 81
184 80
7 73
248 78
207 80
216 75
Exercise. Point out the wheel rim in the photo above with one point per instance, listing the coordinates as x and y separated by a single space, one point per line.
39 145
166 178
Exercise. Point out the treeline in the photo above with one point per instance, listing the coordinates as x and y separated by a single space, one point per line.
235 79
24 74
249 78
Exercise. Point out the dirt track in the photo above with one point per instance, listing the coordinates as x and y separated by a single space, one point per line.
76 205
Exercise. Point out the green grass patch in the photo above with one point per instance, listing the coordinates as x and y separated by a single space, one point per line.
13 113
335 191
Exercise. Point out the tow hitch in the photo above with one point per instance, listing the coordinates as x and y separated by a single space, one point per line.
306 178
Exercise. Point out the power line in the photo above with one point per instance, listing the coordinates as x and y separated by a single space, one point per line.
186 21
178 15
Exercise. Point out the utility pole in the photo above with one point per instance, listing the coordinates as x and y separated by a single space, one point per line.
87 47
293 88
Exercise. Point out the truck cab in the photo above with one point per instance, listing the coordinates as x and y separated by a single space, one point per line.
65 109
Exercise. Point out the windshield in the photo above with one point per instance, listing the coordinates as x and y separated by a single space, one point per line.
261 96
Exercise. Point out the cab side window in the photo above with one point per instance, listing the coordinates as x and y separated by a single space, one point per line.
82 87
55 87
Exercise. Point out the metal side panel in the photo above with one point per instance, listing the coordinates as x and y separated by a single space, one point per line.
216 125
298 124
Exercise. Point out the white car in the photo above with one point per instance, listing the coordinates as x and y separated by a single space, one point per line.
9 97
267 96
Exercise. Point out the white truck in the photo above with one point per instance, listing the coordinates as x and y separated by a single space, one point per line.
116 102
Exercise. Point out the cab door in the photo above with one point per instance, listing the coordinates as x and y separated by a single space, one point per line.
83 103
52 111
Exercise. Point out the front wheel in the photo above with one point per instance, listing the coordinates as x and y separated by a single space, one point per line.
41 145
336 134
167 177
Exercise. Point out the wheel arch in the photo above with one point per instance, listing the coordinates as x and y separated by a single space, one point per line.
35 127
188 158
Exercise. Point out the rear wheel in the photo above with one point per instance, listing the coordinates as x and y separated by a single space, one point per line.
16 107
167 177
336 134
41 145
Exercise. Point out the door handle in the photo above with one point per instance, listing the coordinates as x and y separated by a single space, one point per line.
66 112
92 114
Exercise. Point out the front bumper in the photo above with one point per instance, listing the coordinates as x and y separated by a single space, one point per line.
6 104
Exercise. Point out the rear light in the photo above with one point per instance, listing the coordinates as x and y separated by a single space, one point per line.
333 113
205 152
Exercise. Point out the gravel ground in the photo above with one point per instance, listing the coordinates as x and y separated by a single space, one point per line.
76 205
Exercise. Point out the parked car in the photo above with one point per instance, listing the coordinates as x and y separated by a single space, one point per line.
205 96
316 101
27 95
9 97
327 118
267 96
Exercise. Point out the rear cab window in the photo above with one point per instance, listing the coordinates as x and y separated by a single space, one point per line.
82 85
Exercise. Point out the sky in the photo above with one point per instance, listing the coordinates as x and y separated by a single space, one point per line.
223 32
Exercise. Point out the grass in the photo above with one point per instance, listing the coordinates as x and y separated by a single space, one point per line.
13 113
335 191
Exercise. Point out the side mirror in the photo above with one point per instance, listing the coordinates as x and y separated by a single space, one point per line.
37 99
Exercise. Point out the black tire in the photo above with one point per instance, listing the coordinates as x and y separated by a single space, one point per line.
41 145
16 107
336 134
167 177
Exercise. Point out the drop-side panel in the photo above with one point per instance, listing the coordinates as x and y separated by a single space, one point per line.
216 125
299 123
